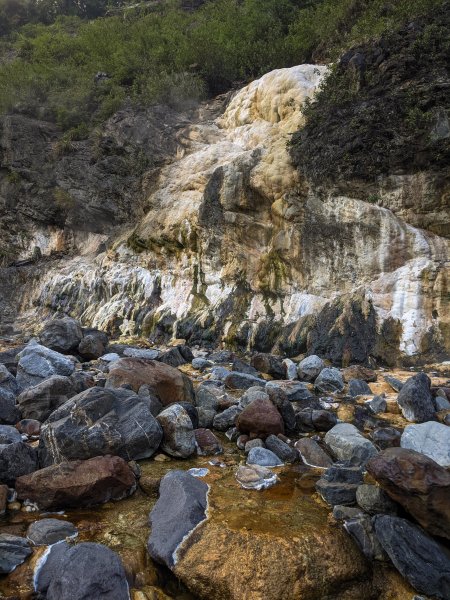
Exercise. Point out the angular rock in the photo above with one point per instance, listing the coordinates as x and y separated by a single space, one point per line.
78 483
358 387
310 367
372 499
291 369
9 411
344 513
37 363
418 558
377 404
339 483
81 381
205 417
284 452
7 380
46 532
242 367
226 419
295 391
323 420
415 399
361 530
329 381
249 444
39 401
395 384
91 347
14 550
347 443
261 418
386 437
9 435
312 454
284 406
358 372
270 364
178 431
241 381
173 357
16 459
263 458
86 571
99 422
61 335
180 508
166 382
431 439
207 443
418 483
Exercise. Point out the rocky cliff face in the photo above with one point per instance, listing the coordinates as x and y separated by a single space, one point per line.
218 237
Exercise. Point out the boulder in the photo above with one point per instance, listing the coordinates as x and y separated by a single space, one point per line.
261 418
377 404
419 558
339 483
81 381
361 529
358 387
358 372
9 435
207 443
418 483
37 363
284 452
98 422
415 399
191 411
269 364
9 411
386 437
14 550
61 335
39 401
323 420
253 393
166 382
92 347
291 369
285 408
249 444
85 571
329 381
430 438
295 391
16 459
242 367
255 477
78 483
310 367
201 364
312 454
178 431
46 532
7 380
263 458
226 419
174 357
181 506
242 381
372 499
347 443
205 418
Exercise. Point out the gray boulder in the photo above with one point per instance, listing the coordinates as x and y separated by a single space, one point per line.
39 401
431 438
7 380
358 387
178 431
13 552
291 369
9 435
9 411
310 367
417 556
97 422
61 335
252 394
263 458
339 483
180 508
242 381
92 347
85 571
37 363
201 364
16 459
46 532
312 454
284 452
346 443
226 419
372 499
415 399
377 404
329 381
295 391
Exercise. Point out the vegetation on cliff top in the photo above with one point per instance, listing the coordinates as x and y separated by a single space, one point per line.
65 65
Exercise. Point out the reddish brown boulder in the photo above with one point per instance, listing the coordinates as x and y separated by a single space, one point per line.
358 372
78 483
260 418
207 442
166 382
29 427
418 483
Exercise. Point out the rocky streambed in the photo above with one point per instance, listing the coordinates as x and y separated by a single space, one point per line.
129 471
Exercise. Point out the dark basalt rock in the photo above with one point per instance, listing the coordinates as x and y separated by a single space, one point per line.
46 532
415 399
16 459
61 335
13 552
39 401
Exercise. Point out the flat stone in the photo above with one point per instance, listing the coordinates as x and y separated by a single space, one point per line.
46 532
312 454
14 550
430 438
347 443
255 477
242 381
263 458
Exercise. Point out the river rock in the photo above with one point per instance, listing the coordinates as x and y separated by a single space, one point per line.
358 372
255 477
9 435
16 459
431 439
415 399
347 443
226 419
98 422
85 571
181 506
9 411
418 483
166 382
270 364
419 558
284 452
46 532
207 443
7 380
37 363
260 418
339 483
14 550
295 391
310 367
372 499
358 387
39 401
61 335
78 483
312 454
263 458
178 431
329 381
253 393
242 381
